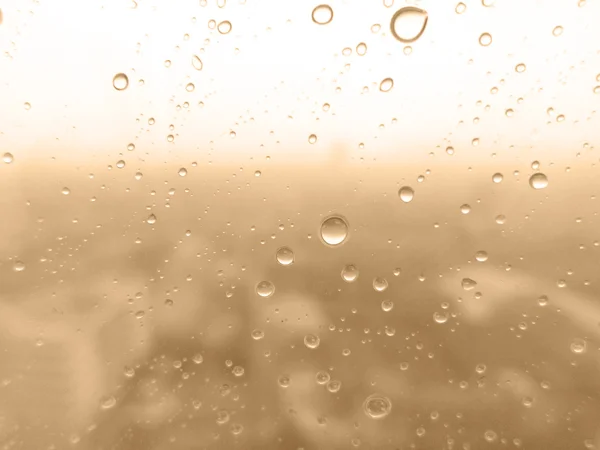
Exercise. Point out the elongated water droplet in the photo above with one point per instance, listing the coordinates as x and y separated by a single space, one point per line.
120 82
334 230
197 63
322 14
408 23
538 181
377 406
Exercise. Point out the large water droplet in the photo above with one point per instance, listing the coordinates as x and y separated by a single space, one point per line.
349 273
224 27
8 158
322 377
440 317
386 85
460 8
120 82
322 14
312 341
406 194
481 256
468 284
361 49
151 219
497 177
578 346
380 284
285 256
377 406
19 266
408 23
312 139
334 230
265 289
538 181
485 39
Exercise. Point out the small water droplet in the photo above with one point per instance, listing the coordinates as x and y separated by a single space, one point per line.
520 68
19 266
460 8
322 14
490 436
377 406
497 177
350 273
8 158
501 219
265 289
542 300
224 27
465 209
387 305
108 402
361 49
386 85
485 39
312 139
440 317
334 230
578 346
27 106
481 256
120 82
312 341
406 194
66 191
468 284
334 386
488 3
322 377
380 284
538 181
284 256
120 164
182 172
557 31
408 23
197 62
151 219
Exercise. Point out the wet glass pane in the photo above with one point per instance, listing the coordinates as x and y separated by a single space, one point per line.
276 224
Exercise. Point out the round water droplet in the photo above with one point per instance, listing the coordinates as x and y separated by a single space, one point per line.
66 191
284 256
406 194
19 266
509 112
224 27
361 49
386 85
380 284
490 436
408 23
488 3
265 289
312 341
120 164
322 377
197 62
501 219
377 406
349 273
468 284
120 82
8 158
387 305
151 219
334 230
312 139
440 317
283 381
497 177
520 68
542 300
182 172
460 8
485 39
481 256
27 106
538 181
257 335
108 402
578 346
322 14
557 31
465 209
334 386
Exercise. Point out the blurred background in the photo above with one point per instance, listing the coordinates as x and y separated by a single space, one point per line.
265 224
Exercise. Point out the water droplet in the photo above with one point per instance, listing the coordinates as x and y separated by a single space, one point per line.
108 402
488 3
520 68
334 386
361 49
406 194
8 158
334 230
257 335
465 209
138 175
322 14
497 177
481 256
18 266
27 106
265 289
224 27
182 172
285 256
538 181
543 300
238 371
349 273
197 63
283 381
485 39
380 284
408 23
120 82
440 317
322 377
509 112
312 139
578 346
557 31
377 406
312 341
460 8
387 305
66 191
190 87
468 284
120 164
198 358
490 436
386 85
151 219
